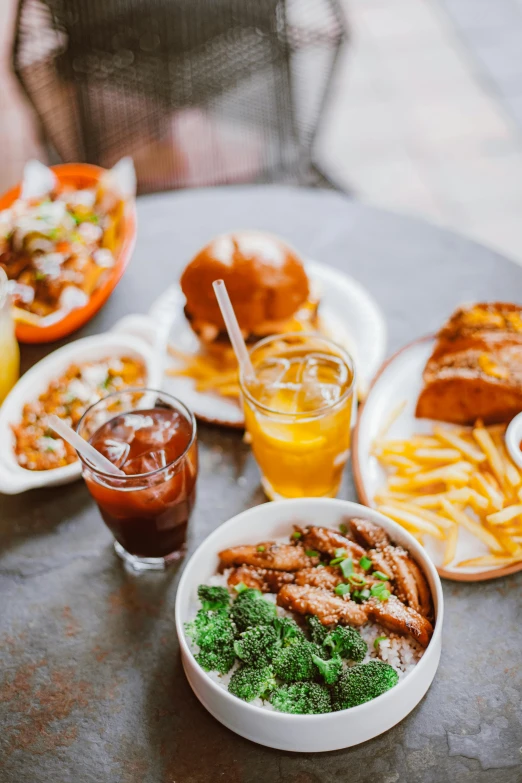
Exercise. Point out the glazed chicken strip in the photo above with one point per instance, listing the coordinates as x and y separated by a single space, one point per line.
409 583
267 580
327 607
395 616
368 534
330 577
327 578
267 554
325 540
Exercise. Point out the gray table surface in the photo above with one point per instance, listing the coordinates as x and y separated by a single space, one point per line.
91 682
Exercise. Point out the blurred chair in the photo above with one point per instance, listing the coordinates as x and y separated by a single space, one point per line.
199 92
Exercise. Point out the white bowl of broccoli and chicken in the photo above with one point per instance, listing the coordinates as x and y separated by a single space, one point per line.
309 625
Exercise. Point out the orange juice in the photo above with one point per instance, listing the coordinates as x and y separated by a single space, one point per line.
9 353
298 414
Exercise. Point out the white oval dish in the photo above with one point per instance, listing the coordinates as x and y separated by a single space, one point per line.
302 733
396 388
132 336
350 316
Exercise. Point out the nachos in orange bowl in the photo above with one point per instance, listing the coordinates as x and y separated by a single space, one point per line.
66 236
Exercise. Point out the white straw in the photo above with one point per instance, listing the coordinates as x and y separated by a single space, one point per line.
234 332
85 449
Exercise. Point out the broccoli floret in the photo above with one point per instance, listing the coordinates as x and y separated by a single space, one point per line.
346 642
257 645
252 682
295 662
288 631
318 631
214 633
362 683
250 609
220 659
213 597
329 670
301 698
209 629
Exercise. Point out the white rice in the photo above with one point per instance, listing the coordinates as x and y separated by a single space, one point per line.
401 652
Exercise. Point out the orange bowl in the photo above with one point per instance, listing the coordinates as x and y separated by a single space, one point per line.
81 175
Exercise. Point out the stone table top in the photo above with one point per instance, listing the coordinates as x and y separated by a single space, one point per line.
91 684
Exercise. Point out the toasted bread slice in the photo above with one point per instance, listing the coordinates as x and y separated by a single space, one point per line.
475 370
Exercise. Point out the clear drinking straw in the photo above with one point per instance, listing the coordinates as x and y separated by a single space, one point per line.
234 332
85 449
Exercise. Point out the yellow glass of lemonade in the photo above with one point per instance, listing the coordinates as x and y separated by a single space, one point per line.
298 413
9 353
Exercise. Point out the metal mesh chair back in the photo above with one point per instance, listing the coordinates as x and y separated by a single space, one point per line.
199 92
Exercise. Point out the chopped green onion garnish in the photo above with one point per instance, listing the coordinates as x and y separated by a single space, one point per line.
296 535
346 567
337 560
343 528
342 589
365 562
357 580
379 591
381 576
239 588
378 641
261 548
361 595
341 552
311 553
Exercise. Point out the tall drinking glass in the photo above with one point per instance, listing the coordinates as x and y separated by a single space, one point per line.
151 437
298 414
9 352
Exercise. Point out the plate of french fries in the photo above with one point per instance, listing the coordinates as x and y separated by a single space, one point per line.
207 381
454 488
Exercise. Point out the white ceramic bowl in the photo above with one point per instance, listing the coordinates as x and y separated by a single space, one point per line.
132 336
514 438
302 733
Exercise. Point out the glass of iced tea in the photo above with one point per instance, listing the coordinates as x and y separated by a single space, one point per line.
298 413
151 437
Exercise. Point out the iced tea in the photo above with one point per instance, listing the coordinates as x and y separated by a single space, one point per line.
152 440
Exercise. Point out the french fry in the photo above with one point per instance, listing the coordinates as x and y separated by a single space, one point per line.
451 545
466 449
396 460
411 520
230 390
485 488
505 515
512 475
462 519
489 560
507 543
493 457
422 513
436 456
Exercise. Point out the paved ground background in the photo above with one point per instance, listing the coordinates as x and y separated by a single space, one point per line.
426 115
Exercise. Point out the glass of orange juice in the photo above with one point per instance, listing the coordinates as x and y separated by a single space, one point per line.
298 413
9 353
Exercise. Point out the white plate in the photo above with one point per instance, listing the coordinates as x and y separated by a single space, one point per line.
350 315
132 336
302 733
400 382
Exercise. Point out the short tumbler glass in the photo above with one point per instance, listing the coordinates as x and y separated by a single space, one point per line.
298 414
146 512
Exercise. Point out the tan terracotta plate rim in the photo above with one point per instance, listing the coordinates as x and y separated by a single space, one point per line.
477 576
